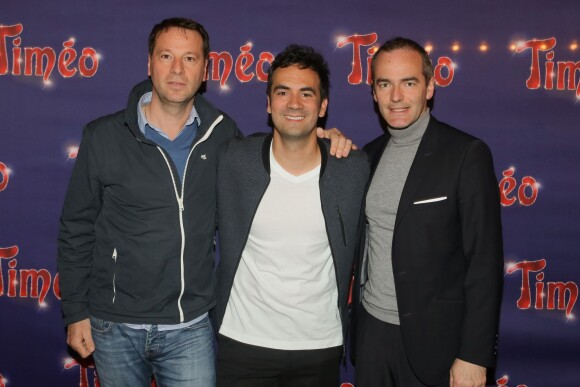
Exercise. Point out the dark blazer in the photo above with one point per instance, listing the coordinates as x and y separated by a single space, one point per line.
447 254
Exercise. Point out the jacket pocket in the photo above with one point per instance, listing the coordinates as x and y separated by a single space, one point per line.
431 204
341 221
431 200
441 300
100 326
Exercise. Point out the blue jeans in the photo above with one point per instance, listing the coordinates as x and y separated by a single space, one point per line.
131 357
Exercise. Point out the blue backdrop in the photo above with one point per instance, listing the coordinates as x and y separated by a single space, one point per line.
508 72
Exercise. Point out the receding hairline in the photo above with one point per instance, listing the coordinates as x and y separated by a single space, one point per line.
404 48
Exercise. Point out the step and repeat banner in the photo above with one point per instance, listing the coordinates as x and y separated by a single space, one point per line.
507 72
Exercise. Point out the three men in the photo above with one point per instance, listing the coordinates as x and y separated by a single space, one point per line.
137 230
430 278
288 216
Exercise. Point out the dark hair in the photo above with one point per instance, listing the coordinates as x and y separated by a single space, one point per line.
305 58
404 43
183 23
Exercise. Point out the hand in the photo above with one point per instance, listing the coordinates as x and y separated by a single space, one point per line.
340 146
80 339
464 374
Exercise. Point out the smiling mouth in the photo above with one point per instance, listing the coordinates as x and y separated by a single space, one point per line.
398 110
294 118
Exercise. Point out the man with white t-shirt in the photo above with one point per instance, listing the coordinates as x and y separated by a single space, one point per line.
288 217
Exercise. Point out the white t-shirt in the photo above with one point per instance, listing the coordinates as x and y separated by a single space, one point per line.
284 294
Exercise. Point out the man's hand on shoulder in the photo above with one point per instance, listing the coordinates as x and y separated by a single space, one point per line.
340 146
464 374
80 339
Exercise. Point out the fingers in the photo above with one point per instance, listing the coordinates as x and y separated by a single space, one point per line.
89 344
347 147
80 339
340 145
335 145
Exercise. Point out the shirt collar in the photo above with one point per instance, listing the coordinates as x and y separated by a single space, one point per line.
142 119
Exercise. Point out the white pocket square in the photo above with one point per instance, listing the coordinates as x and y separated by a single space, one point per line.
431 200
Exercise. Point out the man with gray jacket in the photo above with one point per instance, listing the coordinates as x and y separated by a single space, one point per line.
288 216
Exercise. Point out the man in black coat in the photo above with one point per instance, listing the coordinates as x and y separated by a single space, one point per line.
429 277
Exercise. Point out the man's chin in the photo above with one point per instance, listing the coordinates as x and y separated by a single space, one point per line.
296 135
398 125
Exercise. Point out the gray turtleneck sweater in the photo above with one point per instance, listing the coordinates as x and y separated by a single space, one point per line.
379 296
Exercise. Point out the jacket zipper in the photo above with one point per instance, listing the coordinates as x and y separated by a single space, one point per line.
114 256
179 199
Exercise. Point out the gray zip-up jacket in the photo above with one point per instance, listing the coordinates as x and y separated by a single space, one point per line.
243 177
135 246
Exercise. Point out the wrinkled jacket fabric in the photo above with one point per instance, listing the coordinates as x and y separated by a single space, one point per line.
136 245
244 176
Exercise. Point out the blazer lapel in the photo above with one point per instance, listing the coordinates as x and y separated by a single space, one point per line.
421 163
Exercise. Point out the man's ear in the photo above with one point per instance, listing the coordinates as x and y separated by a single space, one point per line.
323 107
430 88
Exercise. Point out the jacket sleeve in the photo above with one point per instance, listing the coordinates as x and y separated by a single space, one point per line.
76 239
480 215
